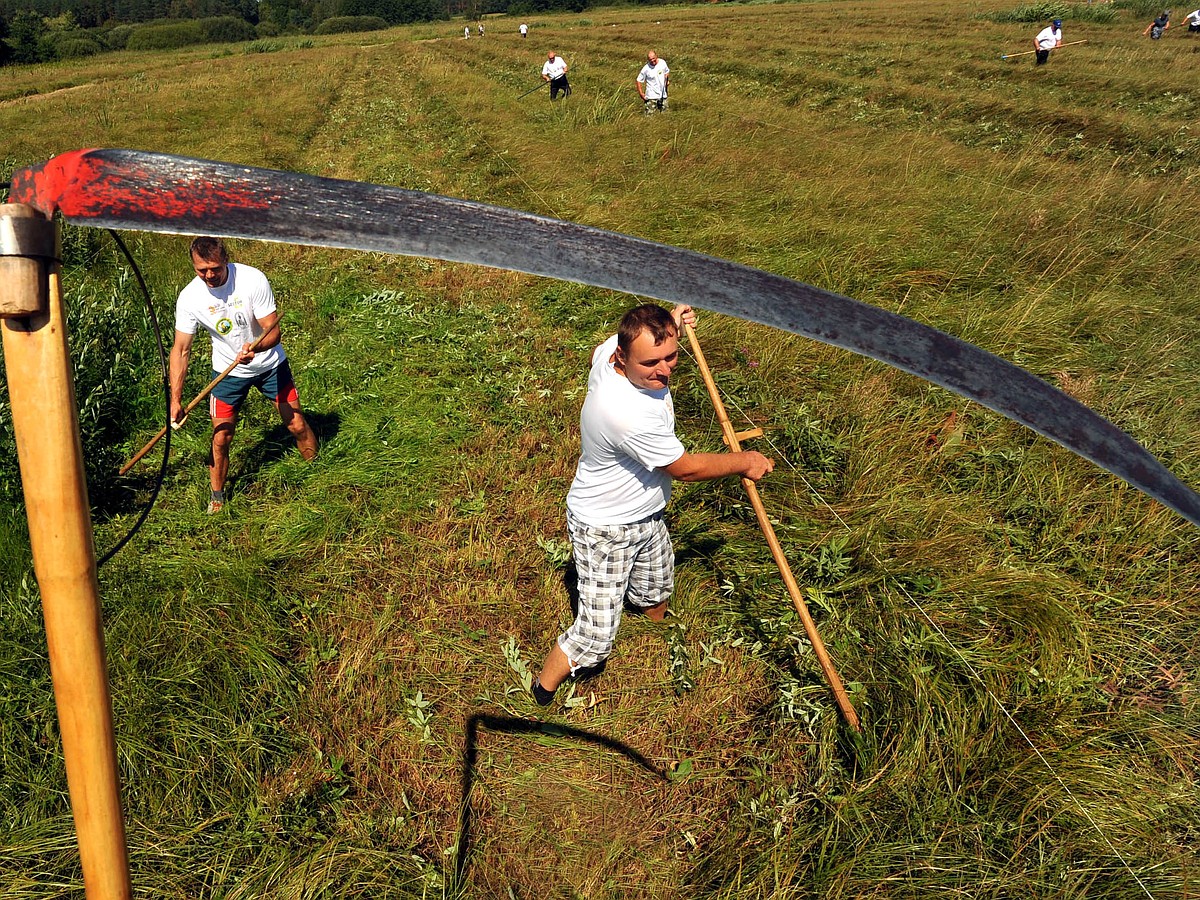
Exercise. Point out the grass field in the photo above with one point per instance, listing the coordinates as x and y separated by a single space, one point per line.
319 694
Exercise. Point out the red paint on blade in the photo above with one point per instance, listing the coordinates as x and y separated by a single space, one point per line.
42 186
87 184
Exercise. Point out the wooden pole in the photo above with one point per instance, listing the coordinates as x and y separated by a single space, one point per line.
768 530
1027 52
187 410
46 427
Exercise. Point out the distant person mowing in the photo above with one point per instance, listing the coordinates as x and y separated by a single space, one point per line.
1047 39
524 29
1193 21
652 82
235 305
1156 28
554 70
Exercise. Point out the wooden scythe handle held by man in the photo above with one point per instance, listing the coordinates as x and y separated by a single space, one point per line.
732 438
187 410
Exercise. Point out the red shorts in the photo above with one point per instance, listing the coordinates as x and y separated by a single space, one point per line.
228 396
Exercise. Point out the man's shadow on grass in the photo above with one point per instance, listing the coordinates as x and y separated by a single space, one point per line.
277 443
512 725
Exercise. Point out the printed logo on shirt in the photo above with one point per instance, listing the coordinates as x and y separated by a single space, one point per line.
224 326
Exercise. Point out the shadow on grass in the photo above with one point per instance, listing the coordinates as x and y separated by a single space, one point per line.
511 725
279 442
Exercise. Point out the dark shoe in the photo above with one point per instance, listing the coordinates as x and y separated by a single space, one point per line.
541 695
583 674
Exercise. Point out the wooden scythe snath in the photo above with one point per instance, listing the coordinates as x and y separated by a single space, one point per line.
187 410
733 441
1027 52
46 426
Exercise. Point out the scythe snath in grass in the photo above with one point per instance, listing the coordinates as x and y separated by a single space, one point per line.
1027 52
540 85
199 398
732 440
45 421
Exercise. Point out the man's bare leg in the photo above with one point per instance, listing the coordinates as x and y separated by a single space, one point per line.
218 469
555 669
293 418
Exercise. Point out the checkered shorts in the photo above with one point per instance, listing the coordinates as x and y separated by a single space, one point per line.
614 562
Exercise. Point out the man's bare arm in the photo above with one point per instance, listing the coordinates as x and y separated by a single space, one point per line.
181 352
707 466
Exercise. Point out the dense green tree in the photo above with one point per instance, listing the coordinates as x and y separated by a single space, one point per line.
5 50
25 35
206 9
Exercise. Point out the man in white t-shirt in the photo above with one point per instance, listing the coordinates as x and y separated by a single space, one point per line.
524 29
1047 39
1193 21
628 456
234 303
652 83
554 70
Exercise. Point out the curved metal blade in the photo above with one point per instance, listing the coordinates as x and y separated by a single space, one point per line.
131 189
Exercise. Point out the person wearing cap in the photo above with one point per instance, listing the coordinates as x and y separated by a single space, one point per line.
1156 28
554 70
1193 21
1047 39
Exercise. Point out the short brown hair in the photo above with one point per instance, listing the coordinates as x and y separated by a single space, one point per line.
210 248
648 317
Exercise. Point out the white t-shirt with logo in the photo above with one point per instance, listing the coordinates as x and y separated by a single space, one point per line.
655 79
557 68
230 314
626 435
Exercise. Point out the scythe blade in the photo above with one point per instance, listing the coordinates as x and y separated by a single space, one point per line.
134 190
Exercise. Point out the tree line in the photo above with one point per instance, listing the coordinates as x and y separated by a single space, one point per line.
33 31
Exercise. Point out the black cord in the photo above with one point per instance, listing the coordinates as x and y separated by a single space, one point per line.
162 358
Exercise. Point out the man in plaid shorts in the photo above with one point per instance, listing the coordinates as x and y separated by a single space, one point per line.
629 455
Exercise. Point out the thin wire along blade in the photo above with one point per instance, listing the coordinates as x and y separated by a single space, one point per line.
135 190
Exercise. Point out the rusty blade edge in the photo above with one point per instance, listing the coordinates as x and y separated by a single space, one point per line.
136 190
